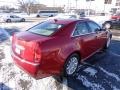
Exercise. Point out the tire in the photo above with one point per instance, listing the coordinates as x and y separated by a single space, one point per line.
8 20
38 16
107 25
71 65
51 16
23 20
107 43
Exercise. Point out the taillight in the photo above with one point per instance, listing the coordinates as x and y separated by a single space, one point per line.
37 55
12 38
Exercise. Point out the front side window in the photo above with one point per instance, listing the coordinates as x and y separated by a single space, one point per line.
15 16
11 16
93 26
45 28
81 29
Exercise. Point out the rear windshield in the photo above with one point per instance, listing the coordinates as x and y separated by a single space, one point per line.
45 28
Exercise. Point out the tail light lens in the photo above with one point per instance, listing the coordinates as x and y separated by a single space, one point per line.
37 56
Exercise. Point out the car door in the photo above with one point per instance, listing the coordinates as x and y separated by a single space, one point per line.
100 34
12 18
85 38
16 18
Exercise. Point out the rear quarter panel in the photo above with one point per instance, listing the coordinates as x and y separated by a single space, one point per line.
56 51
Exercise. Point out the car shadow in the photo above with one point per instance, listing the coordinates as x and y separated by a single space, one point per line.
6 33
4 87
100 72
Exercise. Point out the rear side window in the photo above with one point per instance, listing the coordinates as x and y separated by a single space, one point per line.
45 28
81 29
93 26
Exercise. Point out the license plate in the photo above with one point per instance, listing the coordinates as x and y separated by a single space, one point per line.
17 50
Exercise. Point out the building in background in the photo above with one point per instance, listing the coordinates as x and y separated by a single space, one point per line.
117 6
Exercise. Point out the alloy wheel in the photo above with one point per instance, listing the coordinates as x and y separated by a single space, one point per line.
72 65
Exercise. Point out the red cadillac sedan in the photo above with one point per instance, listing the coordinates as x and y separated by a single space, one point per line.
56 47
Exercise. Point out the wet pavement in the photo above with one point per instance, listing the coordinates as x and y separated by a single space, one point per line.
103 73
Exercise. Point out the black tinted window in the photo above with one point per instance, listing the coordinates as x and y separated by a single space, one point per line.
48 12
11 16
93 26
81 29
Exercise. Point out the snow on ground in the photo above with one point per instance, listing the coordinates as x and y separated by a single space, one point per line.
20 14
89 84
13 78
110 74
90 71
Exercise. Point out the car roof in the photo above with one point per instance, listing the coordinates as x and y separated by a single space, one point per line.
67 21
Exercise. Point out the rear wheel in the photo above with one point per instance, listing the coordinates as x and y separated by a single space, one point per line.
38 16
71 64
23 20
51 16
8 20
107 43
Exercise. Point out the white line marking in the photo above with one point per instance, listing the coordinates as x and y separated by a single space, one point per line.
115 88
90 71
89 84
110 74
115 54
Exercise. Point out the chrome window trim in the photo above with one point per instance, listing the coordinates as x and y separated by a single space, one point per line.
83 34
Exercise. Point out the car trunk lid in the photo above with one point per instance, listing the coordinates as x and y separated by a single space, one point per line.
27 46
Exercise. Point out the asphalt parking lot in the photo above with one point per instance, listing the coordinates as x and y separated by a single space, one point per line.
103 73
100 73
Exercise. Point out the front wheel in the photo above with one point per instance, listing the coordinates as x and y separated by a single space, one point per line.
38 16
71 65
8 20
107 43
23 20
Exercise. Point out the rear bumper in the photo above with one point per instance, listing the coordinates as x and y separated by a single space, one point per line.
33 69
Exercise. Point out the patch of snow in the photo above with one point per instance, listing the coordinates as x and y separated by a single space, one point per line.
118 55
90 71
7 52
115 88
14 78
89 84
110 74
65 84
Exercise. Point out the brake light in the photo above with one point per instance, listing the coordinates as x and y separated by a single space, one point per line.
37 56
12 38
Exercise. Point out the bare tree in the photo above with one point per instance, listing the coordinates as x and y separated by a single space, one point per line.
25 5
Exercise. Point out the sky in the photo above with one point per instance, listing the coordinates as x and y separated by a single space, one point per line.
97 4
